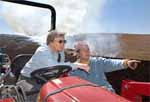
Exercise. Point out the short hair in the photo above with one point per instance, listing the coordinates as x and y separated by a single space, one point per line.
79 45
52 35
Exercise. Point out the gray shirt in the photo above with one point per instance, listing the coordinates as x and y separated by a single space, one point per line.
98 67
43 57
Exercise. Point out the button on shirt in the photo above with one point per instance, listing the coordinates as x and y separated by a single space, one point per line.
98 67
43 57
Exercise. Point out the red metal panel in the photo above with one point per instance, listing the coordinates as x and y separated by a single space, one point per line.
77 94
134 90
7 100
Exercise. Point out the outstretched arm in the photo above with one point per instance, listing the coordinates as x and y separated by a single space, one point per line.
110 65
117 64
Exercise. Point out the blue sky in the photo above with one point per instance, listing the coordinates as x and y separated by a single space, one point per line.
131 16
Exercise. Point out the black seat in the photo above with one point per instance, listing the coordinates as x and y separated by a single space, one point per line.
18 63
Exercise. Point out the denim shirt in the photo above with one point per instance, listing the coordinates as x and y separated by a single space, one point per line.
44 57
98 67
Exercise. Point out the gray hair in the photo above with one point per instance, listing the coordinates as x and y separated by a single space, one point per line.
52 35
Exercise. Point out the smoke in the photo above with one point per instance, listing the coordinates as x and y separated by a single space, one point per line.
100 44
73 16
91 21
25 19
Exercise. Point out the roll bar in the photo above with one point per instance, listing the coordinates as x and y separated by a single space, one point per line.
41 5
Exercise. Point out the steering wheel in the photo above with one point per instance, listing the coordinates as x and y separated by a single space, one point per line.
44 74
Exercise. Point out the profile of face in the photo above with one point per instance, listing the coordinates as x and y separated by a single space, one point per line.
84 52
59 43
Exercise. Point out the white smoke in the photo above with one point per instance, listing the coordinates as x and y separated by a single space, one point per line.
25 19
91 21
100 44
73 16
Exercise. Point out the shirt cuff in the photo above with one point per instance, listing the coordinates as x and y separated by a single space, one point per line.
125 63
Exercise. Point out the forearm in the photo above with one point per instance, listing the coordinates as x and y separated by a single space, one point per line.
113 64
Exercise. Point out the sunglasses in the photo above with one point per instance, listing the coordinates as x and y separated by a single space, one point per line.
62 41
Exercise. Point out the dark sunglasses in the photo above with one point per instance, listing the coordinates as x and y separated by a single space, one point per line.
62 41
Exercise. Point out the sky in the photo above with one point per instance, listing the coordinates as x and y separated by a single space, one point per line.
126 16
116 16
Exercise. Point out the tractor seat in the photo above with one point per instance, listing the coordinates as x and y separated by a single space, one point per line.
18 63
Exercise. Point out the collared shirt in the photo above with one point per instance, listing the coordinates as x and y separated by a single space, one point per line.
43 57
98 67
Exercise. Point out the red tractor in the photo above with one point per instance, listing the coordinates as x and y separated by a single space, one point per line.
56 86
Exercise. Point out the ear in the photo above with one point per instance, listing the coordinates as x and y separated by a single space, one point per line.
78 55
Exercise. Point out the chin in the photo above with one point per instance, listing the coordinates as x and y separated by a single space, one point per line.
60 49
